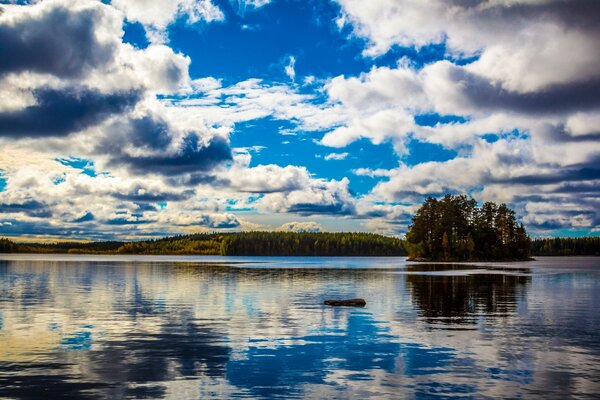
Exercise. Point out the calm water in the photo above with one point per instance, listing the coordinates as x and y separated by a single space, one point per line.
194 327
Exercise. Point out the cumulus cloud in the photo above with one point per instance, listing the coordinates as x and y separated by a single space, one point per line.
75 89
304 226
320 197
268 178
509 36
151 145
90 85
31 37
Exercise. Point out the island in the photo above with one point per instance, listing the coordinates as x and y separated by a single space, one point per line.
455 228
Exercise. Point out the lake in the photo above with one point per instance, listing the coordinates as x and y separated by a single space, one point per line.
74 326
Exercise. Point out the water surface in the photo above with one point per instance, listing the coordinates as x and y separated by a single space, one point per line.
255 327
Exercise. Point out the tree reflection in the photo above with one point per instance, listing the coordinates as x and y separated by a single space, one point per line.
459 298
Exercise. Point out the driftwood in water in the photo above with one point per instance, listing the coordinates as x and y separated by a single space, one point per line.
350 302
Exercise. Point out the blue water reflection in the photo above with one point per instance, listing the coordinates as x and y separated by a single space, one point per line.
130 328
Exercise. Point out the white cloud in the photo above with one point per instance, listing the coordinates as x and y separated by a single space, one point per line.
290 70
268 178
319 197
583 124
156 16
511 37
336 156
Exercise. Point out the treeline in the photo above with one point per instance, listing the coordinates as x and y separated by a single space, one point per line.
60 247
454 228
197 244
310 244
234 244
583 246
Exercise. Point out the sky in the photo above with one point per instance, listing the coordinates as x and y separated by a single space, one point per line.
137 118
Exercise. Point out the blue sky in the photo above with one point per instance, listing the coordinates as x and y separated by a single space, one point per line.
131 119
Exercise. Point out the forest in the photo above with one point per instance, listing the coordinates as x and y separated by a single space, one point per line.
230 244
454 228
310 244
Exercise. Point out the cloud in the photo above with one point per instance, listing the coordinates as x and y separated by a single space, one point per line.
306 226
57 37
289 68
152 145
156 16
336 156
61 112
319 198
253 99
106 105
509 36
456 90
268 178
248 5
31 208
219 221
508 170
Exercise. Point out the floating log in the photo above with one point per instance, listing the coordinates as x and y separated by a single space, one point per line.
349 302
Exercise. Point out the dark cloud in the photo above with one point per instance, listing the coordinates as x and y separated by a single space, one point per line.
125 221
576 14
60 112
144 207
33 208
337 208
195 179
154 137
59 41
591 188
583 174
548 225
136 196
480 93
559 133
25 228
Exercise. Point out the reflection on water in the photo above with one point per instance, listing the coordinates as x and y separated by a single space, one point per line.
465 298
130 328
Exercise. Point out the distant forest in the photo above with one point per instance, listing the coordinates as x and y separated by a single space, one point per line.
233 244
583 246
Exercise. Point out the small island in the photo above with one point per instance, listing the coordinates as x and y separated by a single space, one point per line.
455 228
